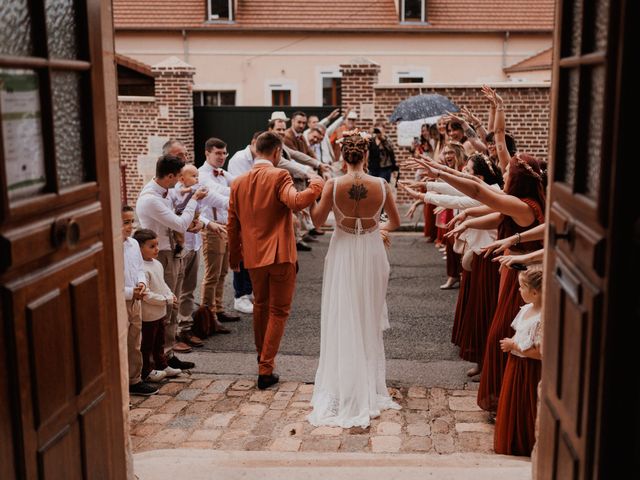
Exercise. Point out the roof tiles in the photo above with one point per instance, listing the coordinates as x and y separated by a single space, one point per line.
338 15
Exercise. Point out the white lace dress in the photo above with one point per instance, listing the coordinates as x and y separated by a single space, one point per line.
350 387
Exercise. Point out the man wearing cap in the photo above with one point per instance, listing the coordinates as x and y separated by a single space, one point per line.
348 125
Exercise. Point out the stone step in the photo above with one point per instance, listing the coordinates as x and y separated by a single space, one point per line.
192 464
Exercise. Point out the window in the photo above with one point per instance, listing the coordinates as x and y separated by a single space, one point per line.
281 98
410 80
220 10
413 11
410 74
214 98
331 91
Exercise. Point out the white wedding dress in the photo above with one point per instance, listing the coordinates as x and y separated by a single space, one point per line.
350 387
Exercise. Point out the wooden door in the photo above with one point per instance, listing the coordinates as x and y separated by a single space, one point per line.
591 206
60 395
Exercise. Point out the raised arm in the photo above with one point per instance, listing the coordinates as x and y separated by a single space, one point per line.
499 246
505 204
294 199
499 128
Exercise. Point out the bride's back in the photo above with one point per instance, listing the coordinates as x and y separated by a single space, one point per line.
358 198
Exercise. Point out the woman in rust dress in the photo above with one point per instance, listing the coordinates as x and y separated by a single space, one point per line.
519 208
485 278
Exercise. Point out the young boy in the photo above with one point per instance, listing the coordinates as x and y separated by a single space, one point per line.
155 301
134 289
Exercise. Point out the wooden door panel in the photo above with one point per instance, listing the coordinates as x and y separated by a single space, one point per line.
85 299
56 325
50 347
95 436
59 458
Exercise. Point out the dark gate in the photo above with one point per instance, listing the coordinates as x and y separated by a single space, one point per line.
236 125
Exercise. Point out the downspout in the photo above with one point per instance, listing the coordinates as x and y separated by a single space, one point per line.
504 50
185 46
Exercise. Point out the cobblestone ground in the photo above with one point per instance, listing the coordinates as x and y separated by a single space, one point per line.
223 413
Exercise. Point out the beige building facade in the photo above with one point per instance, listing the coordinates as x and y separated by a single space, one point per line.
288 52
253 64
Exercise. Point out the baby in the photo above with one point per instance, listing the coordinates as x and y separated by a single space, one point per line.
184 189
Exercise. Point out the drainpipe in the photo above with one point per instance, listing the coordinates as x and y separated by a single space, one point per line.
504 49
185 46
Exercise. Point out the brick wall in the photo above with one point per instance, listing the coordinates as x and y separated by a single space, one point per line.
526 108
168 114
358 80
137 121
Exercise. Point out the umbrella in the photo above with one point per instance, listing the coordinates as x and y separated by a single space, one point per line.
422 106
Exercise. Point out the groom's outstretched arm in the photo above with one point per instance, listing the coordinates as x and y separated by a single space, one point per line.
293 199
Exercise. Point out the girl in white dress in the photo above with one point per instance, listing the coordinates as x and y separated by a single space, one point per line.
350 386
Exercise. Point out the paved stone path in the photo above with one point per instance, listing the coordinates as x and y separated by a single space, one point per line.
418 344
222 413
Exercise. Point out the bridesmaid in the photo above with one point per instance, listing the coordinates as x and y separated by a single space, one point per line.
519 208
517 408
455 158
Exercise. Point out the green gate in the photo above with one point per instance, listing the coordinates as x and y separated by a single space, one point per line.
236 125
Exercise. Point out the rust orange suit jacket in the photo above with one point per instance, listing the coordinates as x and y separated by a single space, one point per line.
260 225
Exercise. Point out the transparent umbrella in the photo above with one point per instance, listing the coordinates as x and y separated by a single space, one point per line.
422 106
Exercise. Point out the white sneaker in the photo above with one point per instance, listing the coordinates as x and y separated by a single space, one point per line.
156 376
172 372
243 305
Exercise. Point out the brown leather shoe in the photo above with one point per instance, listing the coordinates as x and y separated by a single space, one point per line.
182 347
227 317
191 339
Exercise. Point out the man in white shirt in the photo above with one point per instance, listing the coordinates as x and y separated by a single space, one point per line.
155 211
242 161
180 195
216 248
327 155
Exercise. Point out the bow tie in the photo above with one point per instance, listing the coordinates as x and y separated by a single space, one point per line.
217 172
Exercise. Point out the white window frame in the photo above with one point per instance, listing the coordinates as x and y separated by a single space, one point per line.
322 73
423 13
409 72
218 19
221 87
281 84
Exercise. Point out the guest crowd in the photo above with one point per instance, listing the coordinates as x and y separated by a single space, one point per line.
484 203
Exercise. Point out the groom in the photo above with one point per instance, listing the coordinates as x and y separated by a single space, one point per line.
260 231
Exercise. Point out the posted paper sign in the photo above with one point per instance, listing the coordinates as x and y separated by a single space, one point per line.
22 133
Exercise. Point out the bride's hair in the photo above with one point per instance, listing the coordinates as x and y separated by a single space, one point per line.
354 148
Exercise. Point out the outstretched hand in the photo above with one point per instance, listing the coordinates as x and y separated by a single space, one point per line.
412 209
407 188
459 218
386 239
499 246
456 231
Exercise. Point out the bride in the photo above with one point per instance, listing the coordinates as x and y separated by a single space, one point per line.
350 386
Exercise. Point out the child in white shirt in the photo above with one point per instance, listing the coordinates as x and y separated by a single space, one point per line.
134 288
155 301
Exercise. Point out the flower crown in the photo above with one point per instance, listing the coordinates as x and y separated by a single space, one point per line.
530 169
352 133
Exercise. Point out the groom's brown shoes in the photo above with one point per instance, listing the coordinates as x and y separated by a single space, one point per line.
265 381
